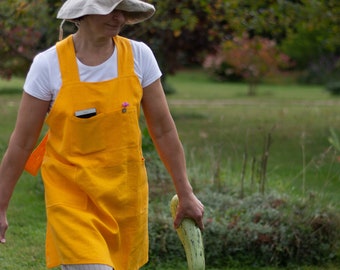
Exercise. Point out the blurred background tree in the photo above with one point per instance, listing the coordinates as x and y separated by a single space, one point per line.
308 31
251 59
26 27
183 33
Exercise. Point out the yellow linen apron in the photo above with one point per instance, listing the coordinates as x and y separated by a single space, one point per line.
93 170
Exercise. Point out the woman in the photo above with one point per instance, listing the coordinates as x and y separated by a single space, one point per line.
90 86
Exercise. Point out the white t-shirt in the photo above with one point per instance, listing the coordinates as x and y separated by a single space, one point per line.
43 80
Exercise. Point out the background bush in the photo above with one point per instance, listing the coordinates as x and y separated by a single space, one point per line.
333 88
267 229
259 230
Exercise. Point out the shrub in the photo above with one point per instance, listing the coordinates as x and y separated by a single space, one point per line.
259 230
334 139
333 88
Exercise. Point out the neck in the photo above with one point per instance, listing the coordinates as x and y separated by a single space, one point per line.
91 50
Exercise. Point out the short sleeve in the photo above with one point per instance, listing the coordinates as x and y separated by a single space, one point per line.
37 82
146 65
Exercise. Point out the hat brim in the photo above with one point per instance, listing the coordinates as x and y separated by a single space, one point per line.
135 10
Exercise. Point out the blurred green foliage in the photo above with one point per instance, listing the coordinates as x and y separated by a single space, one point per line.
182 33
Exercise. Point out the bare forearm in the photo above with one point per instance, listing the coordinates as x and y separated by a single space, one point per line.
11 168
171 152
164 134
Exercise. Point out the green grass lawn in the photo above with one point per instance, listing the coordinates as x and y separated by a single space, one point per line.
217 123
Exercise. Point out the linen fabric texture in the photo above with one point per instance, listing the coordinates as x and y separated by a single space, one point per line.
94 175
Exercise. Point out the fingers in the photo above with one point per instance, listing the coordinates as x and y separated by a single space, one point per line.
2 236
198 220
200 223
3 228
195 213
177 221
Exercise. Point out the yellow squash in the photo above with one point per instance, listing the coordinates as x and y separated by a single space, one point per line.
191 238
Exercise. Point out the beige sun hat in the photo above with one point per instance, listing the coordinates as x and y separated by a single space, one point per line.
136 10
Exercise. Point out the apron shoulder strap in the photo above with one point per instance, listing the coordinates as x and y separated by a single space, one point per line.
67 60
125 56
69 67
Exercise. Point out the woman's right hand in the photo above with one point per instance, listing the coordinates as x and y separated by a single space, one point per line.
3 226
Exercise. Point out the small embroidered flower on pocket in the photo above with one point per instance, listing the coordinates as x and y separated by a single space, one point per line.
124 106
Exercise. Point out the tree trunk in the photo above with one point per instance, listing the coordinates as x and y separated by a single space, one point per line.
251 89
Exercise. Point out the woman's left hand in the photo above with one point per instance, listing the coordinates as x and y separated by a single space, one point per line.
190 207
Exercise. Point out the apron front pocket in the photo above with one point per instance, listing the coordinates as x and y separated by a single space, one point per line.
86 135
122 130
105 132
